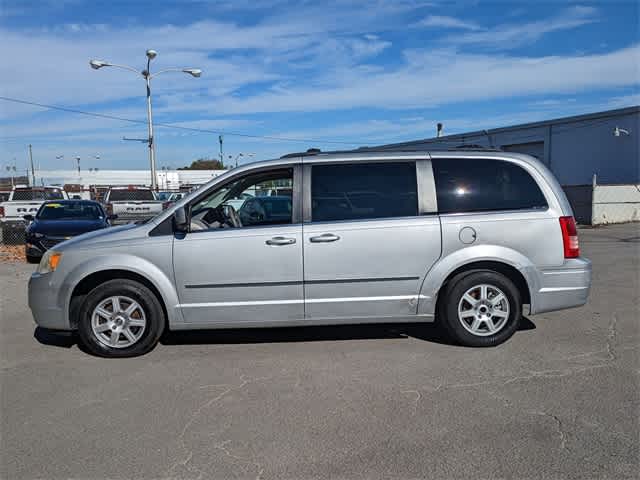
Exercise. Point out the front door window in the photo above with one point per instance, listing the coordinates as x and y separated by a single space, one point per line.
260 199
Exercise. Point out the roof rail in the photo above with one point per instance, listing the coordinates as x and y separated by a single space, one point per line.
472 146
426 148
309 152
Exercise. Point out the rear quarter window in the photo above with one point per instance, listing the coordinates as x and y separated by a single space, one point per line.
481 185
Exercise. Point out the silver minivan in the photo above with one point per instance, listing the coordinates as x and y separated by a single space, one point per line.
468 238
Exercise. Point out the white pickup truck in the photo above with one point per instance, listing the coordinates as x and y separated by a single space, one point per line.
25 200
132 204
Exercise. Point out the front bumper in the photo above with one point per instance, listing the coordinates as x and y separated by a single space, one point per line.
33 250
560 288
43 302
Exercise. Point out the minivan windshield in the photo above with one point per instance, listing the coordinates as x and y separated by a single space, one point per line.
70 211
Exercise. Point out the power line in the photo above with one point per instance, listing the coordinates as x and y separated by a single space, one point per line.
168 125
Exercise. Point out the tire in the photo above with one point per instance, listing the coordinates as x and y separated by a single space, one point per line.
481 323
107 334
32 259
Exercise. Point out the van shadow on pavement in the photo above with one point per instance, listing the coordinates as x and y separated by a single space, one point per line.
421 331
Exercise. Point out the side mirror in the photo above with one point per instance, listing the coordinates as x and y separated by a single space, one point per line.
113 216
28 218
180 221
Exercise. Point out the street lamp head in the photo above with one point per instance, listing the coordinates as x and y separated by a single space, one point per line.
151 54
96 64
194 72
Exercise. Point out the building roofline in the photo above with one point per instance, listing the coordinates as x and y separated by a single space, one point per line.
543 123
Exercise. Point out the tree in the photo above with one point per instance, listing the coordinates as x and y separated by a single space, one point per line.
205 164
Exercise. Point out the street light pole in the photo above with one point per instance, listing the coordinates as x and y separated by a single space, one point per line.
33 173
151 54
146 74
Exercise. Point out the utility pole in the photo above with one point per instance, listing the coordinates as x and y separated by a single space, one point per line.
33 172
221 155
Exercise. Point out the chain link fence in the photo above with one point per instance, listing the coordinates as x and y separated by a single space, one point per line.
13 233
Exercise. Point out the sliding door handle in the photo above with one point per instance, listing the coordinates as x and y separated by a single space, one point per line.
281 241
325 238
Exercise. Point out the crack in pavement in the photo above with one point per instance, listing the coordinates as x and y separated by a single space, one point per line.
185 462
561 432
249 461
530 375
416 401
613 333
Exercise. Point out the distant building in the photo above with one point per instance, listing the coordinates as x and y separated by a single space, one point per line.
166 179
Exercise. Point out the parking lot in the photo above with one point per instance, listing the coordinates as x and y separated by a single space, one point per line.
561 399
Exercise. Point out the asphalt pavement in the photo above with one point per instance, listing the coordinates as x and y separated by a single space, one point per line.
561 399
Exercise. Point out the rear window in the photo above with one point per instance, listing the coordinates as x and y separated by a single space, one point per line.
363 191
480 185
38 194
133 195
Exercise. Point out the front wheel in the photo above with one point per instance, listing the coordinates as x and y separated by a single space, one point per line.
481 308
120 318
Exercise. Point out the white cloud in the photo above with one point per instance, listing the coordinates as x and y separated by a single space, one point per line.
507 36
440 21
436 78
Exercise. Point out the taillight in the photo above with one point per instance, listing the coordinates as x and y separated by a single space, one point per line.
166 205
569 237
2 210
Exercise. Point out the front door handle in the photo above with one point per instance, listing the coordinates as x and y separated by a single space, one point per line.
325 238
281 241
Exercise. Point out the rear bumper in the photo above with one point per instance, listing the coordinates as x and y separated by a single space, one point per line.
560 288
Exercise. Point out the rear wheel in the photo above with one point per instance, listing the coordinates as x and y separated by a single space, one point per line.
120 318
481 308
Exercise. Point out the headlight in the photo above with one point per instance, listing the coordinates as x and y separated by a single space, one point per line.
37 235
50 261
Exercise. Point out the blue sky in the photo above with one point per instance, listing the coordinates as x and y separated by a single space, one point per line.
360 72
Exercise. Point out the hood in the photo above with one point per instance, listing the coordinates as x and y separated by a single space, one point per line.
65 228
104 236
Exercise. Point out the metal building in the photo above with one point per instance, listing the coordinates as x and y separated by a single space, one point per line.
603 144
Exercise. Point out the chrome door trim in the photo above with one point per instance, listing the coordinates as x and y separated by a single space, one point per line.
309 282
380 298
358 280
240 304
